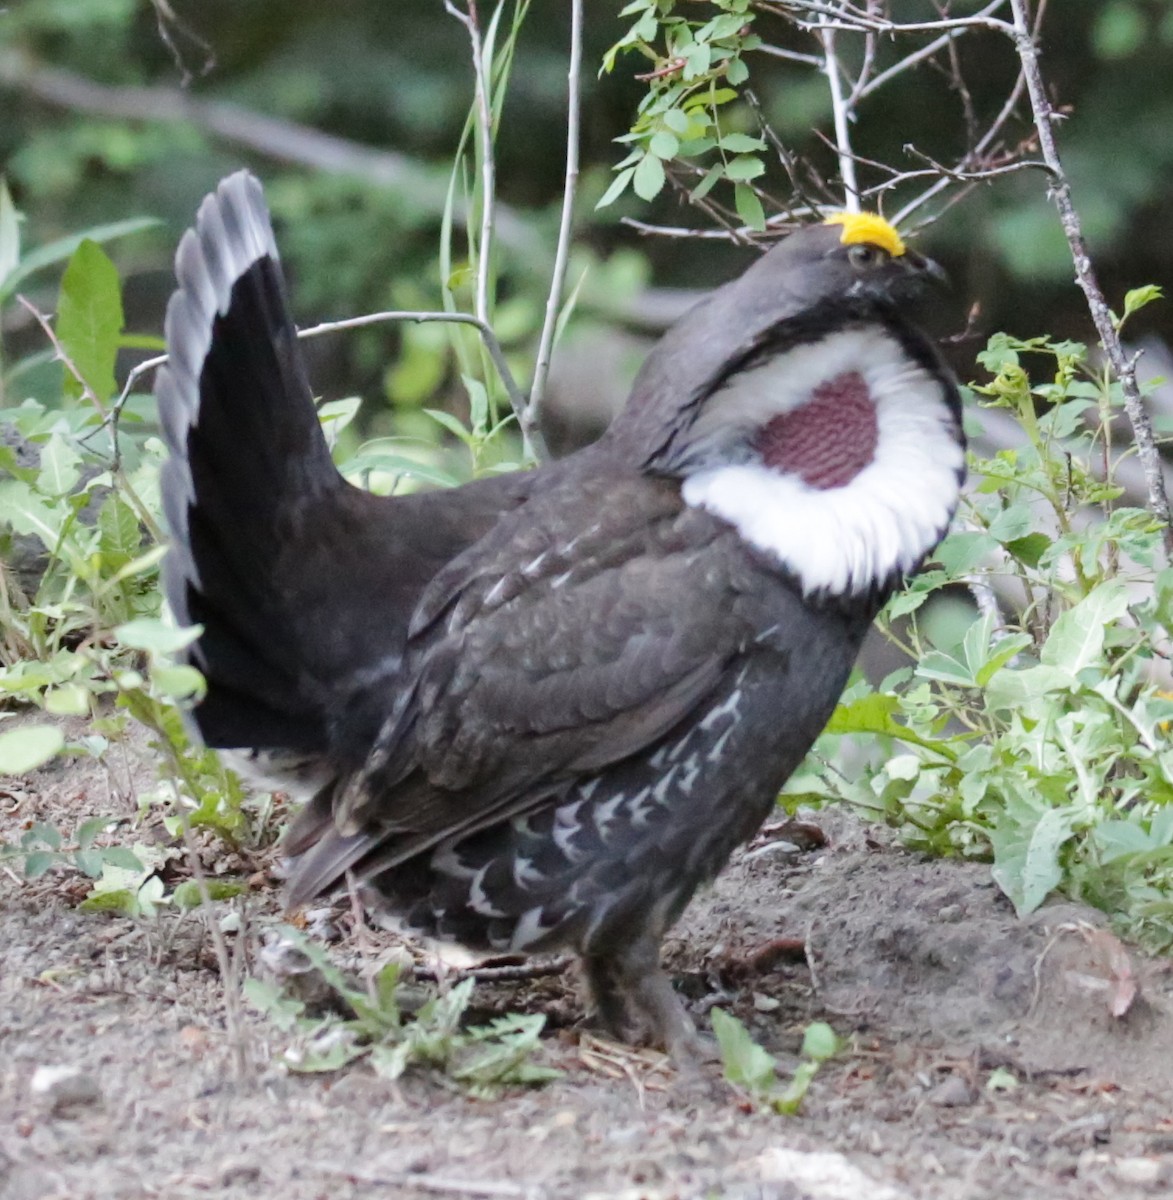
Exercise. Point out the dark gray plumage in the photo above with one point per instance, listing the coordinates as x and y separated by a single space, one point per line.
540 710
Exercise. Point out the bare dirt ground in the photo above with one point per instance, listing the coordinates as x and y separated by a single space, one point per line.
921 965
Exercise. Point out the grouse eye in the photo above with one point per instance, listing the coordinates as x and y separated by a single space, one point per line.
864 254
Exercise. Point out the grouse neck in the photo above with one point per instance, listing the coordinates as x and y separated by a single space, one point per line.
841 459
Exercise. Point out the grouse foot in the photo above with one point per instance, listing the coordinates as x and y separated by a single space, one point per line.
635 1002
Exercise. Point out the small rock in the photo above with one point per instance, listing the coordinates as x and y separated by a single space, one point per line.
239 1172
953 1092
1138 1172
60 1089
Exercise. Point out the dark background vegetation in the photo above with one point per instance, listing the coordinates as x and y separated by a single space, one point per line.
394 75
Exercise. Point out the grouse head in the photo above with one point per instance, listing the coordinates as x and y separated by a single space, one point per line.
799 403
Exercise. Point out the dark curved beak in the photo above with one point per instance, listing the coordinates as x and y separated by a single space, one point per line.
925 268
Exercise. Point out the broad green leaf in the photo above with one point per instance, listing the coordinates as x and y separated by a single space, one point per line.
1007 648
89 319
26 749
1009 689
746 1063
1137 298
1012 523
820 1041
121 536
150 633
648 179
1076 640
749 207
875 713
68 700
335 415
9 234
37 863
664 144
743 167
1026 858
742 143
59 468
936 664
27 513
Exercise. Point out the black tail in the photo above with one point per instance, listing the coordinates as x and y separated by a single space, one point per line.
247 459
304 585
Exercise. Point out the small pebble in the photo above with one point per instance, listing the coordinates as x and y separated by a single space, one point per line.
60 1089
239 1172
953 1092
1138 1172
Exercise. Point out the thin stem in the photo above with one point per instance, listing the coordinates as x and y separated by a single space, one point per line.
516 396
842 116
488 161
1123 366
531 421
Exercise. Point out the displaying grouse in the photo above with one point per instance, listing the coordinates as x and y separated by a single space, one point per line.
539 710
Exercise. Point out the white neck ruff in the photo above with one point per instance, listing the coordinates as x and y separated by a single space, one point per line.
843 540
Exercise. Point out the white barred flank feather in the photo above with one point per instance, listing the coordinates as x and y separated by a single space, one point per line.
842 540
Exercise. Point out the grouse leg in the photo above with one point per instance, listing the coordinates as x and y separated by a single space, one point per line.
631 994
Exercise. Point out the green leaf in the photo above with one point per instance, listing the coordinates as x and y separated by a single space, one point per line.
68 700
820 1041
120 533
676 120
746 1064
744 167
9 234
1030 549
27 513
705 186
187 894
1136 299
1076 640
1012 523
121 857
648 179
59 469
335 415
741 143
26 749
155 635
37 863
749 207
664 144
875 713
618 185
1009 690
89 319
1026 858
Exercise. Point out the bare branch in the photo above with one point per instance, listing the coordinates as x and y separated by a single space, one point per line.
841 115
1123 366
484 124
532 423
516 396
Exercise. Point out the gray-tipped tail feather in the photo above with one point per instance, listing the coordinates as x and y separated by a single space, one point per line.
247 456
304 585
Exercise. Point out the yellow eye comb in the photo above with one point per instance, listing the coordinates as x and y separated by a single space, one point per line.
867 227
